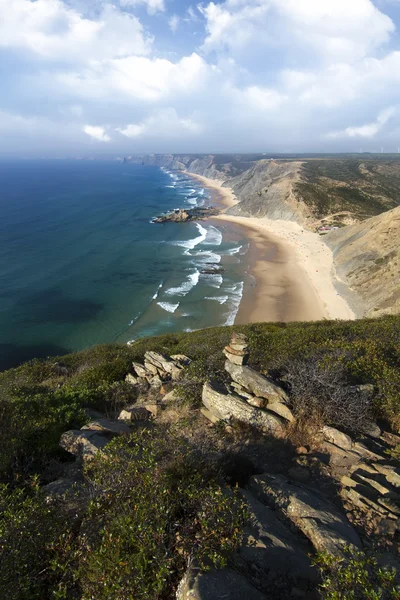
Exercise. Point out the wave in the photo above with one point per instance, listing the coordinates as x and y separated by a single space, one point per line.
214 237
234 250
158 291
208 256
190 244
168 306
170 186
234 301
214 281
220 299
191 281
192 201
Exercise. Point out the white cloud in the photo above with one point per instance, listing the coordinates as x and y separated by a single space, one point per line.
173 23
165 122
263 99
153 6
336 29
96 132
138 77
368 130
50 29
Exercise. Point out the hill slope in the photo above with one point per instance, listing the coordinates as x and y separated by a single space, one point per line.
367 256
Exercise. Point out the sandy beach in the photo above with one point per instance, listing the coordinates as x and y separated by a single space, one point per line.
292 268
221 195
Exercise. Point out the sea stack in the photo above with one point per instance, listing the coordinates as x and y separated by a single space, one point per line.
237 351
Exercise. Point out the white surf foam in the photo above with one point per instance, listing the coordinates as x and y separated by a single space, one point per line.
214 237
190 244
191 281
236 293
168 306
220 299
233 251
214 281
158 291
207 256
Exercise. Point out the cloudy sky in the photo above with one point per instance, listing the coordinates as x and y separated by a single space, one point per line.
88 77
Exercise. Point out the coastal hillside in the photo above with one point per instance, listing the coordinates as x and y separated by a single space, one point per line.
257 462
367 257
311 191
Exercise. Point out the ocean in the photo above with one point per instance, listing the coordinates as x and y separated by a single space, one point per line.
81 262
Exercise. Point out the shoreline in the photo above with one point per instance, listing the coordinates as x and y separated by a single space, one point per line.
292 267
221 195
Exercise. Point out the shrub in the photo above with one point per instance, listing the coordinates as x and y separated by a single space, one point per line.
355 577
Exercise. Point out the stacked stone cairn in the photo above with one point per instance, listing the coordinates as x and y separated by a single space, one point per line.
250 398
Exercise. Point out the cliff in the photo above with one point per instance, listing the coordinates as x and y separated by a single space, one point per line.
367 257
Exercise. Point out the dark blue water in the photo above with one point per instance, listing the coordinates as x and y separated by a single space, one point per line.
81 263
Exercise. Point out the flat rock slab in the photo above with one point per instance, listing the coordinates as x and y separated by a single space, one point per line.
269 544
83 443
113 427
225 584
256 383
320 521
227 406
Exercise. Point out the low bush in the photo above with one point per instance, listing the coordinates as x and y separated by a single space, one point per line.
156 506
357 576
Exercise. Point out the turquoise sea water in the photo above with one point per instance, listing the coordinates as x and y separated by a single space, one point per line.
81 263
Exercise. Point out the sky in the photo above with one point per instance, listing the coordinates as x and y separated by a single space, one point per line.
102 77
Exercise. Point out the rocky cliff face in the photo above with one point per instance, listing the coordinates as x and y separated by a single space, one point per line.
367 256
267 190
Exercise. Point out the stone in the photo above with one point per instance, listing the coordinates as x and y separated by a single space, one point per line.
154 409
390 505
209 415
136 413
225 407
235 351
113 427
181 359
301 450
348 482
151 370
282 410
269 544
360 501
381 489
256 383
171 396
299 474
131 379
237 359
257 402
319 520
238 341
163 363
372 430
83 443
210 585
389 472
62 487
139 369
340 439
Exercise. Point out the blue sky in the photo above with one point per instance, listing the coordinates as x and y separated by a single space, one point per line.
91 77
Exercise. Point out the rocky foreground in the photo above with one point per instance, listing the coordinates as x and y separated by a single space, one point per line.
337 493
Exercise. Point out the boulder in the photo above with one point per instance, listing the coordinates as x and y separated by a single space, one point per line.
105 425
282 410
183 360
238 341
256 383
225 407
389 472
163 364
210 585
340 439
140 370
135 413
153 408
320 521
170 396
131 379
269 544
255 401
84 443
209 415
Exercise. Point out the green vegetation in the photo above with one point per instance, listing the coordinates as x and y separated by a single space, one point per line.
362 187
152 500
355 577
